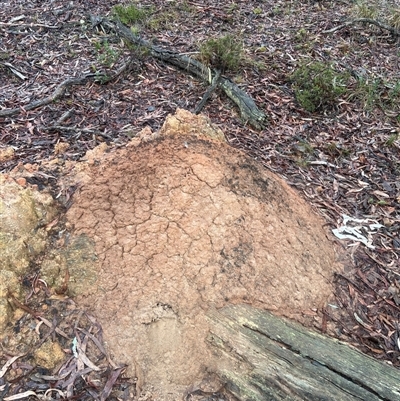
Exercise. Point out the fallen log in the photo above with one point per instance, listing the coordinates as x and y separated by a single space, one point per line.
264 357
248 109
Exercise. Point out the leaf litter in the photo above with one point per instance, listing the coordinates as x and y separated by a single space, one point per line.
345 162
87 371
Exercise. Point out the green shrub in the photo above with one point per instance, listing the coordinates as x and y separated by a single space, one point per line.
223 53
106 55
318 85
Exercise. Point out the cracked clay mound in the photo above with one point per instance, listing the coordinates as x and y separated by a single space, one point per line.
182 224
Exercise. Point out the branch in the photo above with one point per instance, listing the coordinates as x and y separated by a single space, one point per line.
393 31
60 91
208 93
30 25
246 104
79 131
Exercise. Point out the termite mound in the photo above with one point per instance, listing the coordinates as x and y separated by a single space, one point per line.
182 223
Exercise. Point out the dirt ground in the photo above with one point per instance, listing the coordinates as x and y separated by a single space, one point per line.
182 224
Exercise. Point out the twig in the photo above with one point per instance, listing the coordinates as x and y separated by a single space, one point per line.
379 24
77 130
65 116
322 163
22 306
31 25
73 129
59 92
15 71
208 93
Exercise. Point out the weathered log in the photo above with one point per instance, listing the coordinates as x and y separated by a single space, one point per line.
264 357
249 110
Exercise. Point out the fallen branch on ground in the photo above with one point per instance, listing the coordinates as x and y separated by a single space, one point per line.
208 93
280 359
76 130
60 91
379 24
248 109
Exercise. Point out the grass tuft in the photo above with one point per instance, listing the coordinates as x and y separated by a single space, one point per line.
394 18
318 85
129 14
223 53
378 93
364 9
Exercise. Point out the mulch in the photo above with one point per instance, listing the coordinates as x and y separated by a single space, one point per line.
346 161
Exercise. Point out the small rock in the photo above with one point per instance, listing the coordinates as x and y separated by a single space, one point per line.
49 355
6 154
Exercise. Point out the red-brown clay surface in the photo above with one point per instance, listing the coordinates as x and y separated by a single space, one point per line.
182 224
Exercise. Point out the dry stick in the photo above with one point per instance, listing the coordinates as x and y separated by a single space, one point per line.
79 131
246 104
379 24
208 93
59 92
30 25
14 70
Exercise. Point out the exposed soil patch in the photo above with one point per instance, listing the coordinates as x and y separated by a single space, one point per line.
182 224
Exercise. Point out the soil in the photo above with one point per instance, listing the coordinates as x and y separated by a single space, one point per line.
182 224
